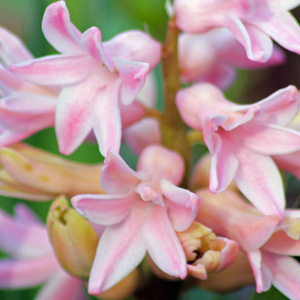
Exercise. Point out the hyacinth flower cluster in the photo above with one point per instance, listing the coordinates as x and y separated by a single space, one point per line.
221 222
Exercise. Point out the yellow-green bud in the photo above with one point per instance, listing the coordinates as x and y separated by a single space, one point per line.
74 240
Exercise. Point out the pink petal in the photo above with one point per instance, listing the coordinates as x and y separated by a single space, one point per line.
58 29
120 250
142 134
26 273
24 214
56 69
116 176
195 104
165 164
289 162
182 206
257 44
263 276
133 76
280 25
224 163
285 274
104 209
163 245
131 113
134 46
228 253
279 108
12 49
73 115
269 139
106 118
281 243
19 240
92 41
259 180
62 286
289 4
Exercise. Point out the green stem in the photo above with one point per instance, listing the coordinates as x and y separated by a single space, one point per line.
173 129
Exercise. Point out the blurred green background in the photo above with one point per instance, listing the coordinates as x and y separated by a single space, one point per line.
23 17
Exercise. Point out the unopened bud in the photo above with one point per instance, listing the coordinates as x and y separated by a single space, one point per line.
74 240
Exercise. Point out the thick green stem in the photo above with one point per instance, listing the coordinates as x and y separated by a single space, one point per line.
173 129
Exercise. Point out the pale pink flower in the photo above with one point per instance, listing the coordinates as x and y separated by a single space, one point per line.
94 77
241 139
142 211
253 22
25 108
266 240
33 261
214 57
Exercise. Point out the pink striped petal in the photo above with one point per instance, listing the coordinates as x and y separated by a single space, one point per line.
263 276
163 245
26 273
12 49
165 164
285 274
183 205
73 115
280 25
62 286
259 180
258 45
56 69
117 176
106 118
120 250
104 209
279 108
135 46
269 139
133 76
58 29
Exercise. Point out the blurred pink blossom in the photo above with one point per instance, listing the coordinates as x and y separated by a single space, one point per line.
142 210
241 139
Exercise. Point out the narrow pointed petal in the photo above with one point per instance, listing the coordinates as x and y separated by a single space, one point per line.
183 205
258 45
62 286
163 245
104 209
73 115
117 176
26 273
166 164
269 139
12 49
285 274
122 244
263 276
133 76
281 26
134 45
259 180
58 29
57 70
106 118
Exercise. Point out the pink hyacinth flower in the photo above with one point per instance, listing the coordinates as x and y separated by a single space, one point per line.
253 22
25 108
142 210
33 261
241 139
215 56
266 240
95 78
